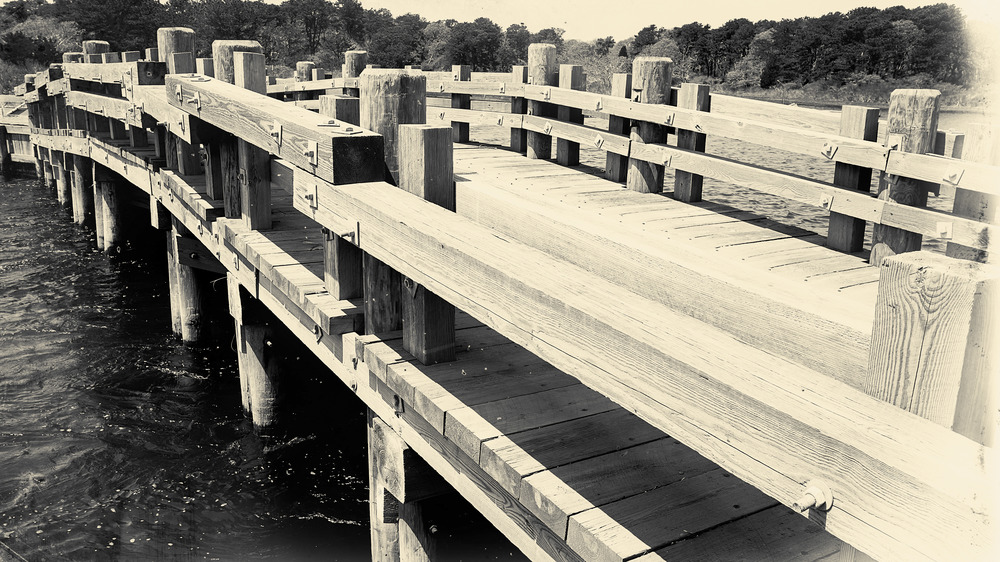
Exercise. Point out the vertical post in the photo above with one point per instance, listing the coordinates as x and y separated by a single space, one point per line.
426 170
108 58
182 63
651 78
570 76
205 66
83 202
47 167
341 108
391 98
190 301
461 73
5 160
982 145
95 48
383 507
131 56
687 186
912 126
616 165
319 73
59 172
354 64
73 57
170 40
153 54
176 324
97 194
222 151
847 234
256 353
254 162
541 72
518 136
107 187
303 70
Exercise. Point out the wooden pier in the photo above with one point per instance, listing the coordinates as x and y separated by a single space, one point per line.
604 365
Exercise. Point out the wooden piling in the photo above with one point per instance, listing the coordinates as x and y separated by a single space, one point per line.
173 291
570 77
461 73
59 173
319 73
519 106
111 219
651 78
688 186
170 40
82 194
256 355
355 63
98 197
5 160
47 167
981 145
390 98
110 58
616 165
912 126
254 162
190 300
541 72
846 233
426 170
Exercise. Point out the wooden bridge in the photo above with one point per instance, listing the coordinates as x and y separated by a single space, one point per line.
606 372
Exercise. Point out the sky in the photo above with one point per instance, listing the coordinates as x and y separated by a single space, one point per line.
590 19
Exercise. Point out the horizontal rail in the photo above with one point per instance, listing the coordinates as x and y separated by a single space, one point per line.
312 85
771 422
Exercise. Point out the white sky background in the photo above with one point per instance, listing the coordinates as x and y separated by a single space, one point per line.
590 19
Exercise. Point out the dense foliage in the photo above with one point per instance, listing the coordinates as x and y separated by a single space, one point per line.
866 46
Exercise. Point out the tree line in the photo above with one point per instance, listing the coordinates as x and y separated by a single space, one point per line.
926 44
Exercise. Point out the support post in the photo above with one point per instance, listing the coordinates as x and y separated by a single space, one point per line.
174 291
5 160
570 76
256 353
341 108
205 66
687 186
847 234
254 162
303 70
541 72
107 187
651 78
190 301
342 261
92 47
110 58
319 73
912 126
355 63
182 63
170 40
64 189
131 56
519 106
83 196
461 73
391 98
153 54
426 170
616 165
47 167
982 145
98 196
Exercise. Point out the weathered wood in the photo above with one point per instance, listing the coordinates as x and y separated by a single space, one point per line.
60 173
131 56
847 233
111 58
318 73
5 151
426 170
403 473
254 162
651 78
182 63
355 63
541 72
257 358
170 40
391 98
73 57
205 66
83 195
303 71
112 219
461 73
222 56
912 124
98 197
383 507
570 76
616 165
981 144
383 294
687 391
190 300
934 345
341 108
152 54
173 289
687 186
92 47
518 105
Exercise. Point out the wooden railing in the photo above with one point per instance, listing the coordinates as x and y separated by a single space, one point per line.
905 484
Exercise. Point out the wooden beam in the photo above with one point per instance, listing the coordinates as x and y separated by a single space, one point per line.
541 72
254 162
847 233
704 400
981 144
687 186
651 78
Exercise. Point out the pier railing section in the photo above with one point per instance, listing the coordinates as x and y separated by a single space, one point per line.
908 459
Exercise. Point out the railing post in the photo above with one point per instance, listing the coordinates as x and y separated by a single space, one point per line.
541 72
153 54
982 145
847 234
341 108
254 162
205 66
651 78
912 126
570 76
518 106
170 40
92 50
303 73
221 152
355 63
616 165
687 186
427 171
318 73
461 73
131 56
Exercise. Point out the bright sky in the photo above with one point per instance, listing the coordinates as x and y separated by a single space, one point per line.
590 19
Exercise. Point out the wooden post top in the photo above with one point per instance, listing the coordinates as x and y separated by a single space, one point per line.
96 47
222 56
651 79
541 64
